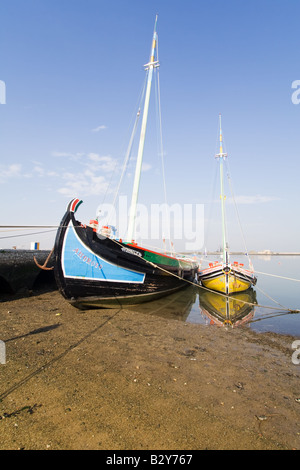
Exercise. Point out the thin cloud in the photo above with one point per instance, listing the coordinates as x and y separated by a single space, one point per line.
99 128
93 177
16 171
73 156
146 166
39 170
85 184
104 163
10 171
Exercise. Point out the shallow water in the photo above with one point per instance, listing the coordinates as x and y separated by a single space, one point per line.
264 308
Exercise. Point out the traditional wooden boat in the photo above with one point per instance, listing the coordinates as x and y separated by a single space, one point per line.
226 277
93 269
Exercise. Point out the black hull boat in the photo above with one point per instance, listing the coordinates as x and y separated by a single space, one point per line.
93 271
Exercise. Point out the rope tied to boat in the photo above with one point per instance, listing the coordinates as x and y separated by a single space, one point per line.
196 284
215 292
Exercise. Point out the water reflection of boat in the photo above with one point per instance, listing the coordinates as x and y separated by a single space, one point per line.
228 310
176 306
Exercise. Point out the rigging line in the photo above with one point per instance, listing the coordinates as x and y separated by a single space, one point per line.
236 208
275 316
280 277
271 298
139 100
26 226
30 227
212 204
27 234
127 156
213 189
133 133
226 223
162 154
109 184
34 233
210 290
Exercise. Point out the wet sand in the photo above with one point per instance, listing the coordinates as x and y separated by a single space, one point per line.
125 380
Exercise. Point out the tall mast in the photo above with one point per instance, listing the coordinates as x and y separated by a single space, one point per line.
149 67
221 156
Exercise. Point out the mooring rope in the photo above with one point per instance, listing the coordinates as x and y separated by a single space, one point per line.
186 280
215 292
28 234
280 277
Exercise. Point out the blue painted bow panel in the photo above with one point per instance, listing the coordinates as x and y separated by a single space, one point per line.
79 262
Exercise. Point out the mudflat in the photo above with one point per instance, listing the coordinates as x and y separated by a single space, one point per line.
124 380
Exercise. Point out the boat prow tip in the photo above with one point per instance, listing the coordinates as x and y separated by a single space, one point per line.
74 204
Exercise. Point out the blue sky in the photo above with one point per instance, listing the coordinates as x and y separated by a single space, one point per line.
73 71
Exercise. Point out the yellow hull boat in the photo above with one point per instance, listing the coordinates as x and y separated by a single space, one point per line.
229 279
